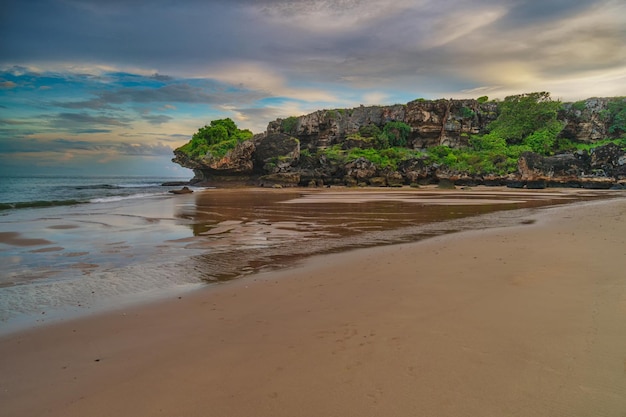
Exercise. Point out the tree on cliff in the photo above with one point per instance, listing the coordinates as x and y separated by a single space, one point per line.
528 119
394 134
215 139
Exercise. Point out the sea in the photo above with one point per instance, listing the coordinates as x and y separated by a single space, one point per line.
74 246
70 245
18 192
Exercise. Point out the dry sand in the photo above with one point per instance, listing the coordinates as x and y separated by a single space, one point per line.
522 321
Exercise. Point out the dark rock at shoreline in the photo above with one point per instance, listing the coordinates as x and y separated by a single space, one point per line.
175 183
601 168
284 179
184 190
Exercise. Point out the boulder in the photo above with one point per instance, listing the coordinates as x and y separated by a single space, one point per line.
283 179
378 182
360 169
415 170
394 179
608 158
184 190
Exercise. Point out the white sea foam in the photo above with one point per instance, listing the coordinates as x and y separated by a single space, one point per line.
138 185
124 197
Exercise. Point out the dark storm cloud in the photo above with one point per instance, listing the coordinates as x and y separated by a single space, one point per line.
136 32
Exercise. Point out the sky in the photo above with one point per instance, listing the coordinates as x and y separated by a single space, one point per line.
94 87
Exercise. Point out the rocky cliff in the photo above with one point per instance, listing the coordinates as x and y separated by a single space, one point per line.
288 152
438 122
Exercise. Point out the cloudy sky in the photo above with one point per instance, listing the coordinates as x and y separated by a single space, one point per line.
111 87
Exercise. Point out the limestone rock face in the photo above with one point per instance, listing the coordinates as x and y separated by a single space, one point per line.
394 179
360 169
415 170
609 160
276 152
237 161
585 121
439 122
281 179
601 168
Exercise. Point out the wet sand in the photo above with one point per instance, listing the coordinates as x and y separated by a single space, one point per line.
520 321
74 260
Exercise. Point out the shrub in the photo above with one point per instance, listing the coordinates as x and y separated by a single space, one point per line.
215 139
494 161
383 158
467 113
542 141
372 155
333 153
394 134
220 149
289 124
617 108
523 114
369 130
621 142
487 142
579 105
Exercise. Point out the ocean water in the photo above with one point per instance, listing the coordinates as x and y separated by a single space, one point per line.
47 191
69 243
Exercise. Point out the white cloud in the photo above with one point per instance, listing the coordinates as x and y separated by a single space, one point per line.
462 23
255 76
74 68
375 98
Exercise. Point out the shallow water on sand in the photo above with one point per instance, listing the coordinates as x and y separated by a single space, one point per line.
71 260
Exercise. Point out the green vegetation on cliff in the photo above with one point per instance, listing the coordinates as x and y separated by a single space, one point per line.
388 158
215 140
617 115
393 134
526 122
526 115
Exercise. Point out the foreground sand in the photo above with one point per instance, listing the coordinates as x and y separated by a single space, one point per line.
523 321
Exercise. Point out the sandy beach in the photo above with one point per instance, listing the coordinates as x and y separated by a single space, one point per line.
527 320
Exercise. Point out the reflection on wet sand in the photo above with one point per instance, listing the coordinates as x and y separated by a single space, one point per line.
66 260
243 231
